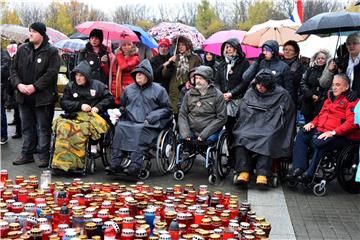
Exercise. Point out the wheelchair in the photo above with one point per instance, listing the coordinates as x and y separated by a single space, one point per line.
340 164
163 152
216 156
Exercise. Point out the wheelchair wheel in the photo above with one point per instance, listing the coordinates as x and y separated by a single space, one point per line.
319 189
346 169
179 175
144 174
90 164
223 164
106 146
213 179
186 164
165 151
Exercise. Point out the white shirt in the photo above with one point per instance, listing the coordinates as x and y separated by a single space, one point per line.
350 68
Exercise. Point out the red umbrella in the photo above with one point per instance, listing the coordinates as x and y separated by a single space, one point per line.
112 31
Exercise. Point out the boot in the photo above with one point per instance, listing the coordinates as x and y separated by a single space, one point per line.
23 160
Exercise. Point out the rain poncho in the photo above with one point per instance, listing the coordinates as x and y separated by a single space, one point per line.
71 139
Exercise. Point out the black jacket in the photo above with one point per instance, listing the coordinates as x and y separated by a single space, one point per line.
283 75
310 86
157 66
93 59
47 63
235 83
297 70
93 93
5 74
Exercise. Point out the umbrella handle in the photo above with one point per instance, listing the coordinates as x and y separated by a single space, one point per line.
176 46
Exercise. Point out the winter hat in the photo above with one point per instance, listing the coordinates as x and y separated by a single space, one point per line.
39 27
206 72
266 78
98 33
164 41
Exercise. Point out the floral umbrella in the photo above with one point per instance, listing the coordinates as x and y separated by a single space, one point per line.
172 30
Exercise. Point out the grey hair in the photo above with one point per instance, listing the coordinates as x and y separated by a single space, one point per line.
344 77
354 37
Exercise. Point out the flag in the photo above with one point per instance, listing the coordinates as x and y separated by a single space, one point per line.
297 13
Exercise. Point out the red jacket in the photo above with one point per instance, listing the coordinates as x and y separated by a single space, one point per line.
338 115
126 65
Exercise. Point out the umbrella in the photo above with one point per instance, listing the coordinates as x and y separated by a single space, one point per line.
112 31
145 37
357 3
314 43
78 35
278 31
331 22
173 30
20 33
214 42
72 45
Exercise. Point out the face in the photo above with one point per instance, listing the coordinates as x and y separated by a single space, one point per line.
353 46
209 57
35 37
94 41
268 54
80 79
200 82
320 59
163 49
339 86
141 79
182 47
126 47
261 88
229 50
289 52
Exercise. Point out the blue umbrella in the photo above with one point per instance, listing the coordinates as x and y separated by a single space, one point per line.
145 37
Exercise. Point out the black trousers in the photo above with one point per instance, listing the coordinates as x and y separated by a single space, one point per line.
244 158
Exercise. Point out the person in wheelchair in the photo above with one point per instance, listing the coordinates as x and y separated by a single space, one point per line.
146 110
263 127
331 129
84 101
203 110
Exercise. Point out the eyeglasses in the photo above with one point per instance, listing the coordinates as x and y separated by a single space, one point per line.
288 50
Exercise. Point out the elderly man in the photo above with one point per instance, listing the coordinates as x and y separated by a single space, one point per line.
266 112
331 128
203 111
34 77
96 55
146 110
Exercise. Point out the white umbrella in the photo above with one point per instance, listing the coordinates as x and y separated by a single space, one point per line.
314 43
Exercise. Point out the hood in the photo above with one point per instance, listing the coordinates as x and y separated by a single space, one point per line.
84 68
206 72
145 68
266 77
274 45
184 40
236 44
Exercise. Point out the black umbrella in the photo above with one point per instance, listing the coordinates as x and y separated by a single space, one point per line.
330 23
357 3
78 35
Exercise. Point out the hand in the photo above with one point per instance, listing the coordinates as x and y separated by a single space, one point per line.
86 107
332 66
199 139
260 58
31 89
188 85
351 96
325 135
172 59
227 97
23 88
315 98
308 127
95 110
104 59
187 138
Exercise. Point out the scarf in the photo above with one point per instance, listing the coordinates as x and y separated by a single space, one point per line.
183 67
230 64
350 68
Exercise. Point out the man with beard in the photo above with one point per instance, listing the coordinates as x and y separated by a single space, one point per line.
34 75
203 111
158 61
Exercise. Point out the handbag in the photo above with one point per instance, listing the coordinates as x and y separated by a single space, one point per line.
232 107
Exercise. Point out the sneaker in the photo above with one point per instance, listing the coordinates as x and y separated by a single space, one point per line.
261 180
3 141
43 163
23 160
243 177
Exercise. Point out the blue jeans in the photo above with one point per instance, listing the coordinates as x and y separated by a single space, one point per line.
4 132
304 140
36 130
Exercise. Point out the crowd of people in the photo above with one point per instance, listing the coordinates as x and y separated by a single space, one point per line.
256 101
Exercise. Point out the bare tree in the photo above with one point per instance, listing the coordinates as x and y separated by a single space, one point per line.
97 15
123 14
312 8
189 11
30 13
78 12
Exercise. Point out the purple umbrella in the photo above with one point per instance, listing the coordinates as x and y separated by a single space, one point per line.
214 42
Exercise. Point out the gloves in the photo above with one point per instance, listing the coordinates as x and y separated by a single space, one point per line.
351 96
260 58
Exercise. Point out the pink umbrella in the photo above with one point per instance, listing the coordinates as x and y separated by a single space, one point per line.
55 35
112 31
214 42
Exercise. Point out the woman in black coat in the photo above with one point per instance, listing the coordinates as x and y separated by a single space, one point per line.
229 80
